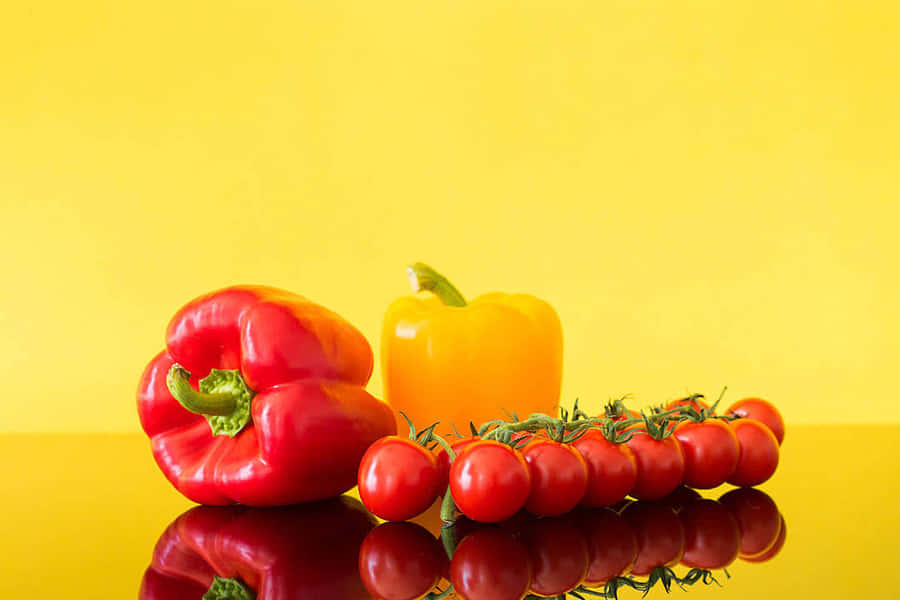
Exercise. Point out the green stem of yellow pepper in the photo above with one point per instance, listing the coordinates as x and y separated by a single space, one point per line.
424 278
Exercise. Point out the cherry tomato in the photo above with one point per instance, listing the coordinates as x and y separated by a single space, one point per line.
612 470
759 453
612 545
659 533
490 564
761 410
489 481
559 477
401 561
558 554
711 535
695 403
660 466
774 550
710 451
398 479
757 517
443 459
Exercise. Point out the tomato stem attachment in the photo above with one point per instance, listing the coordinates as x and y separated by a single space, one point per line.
423 278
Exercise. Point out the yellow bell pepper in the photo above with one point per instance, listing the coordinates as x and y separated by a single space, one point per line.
448 360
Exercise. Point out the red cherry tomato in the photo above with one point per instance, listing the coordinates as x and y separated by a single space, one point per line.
612 470
401 561
659 533
710 452
398 479
759 453
490 564
660 466
443 459
711 535
558 555
757 517
774 550
489 481
559 477
612 545
761 410
695 403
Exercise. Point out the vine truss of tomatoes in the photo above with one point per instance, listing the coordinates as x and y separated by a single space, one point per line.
548 465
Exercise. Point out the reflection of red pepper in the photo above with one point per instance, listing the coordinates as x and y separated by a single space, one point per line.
305 551
282 415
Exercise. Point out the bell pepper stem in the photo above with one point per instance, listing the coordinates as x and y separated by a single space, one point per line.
178 382
424 278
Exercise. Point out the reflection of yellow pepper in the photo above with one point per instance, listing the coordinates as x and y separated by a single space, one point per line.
447 360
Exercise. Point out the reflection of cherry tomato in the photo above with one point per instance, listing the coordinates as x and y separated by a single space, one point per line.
695 403
761 410
759 453
490 564
559 477
660 466
774 550
757 517
681 497
443 460
489 481
612 546
710 452
398 478
400 561
711 535
612 470
659 534
558 555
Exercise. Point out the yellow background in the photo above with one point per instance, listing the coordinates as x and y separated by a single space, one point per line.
706 191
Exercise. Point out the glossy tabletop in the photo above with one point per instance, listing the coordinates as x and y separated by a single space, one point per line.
83 513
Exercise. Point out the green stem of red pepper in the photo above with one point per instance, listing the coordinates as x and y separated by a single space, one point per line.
424 278
223 398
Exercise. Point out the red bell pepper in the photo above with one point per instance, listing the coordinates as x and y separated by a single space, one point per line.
241 553
259 399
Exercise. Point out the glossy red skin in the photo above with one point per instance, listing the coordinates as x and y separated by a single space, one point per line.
558 554
659 534
660 466
774 550
311 418
490 564
710 452
559 477
489 481
398 478
612 470
401 561
443 459
762 411
711 535
759 453
305 551
612 545
757 517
